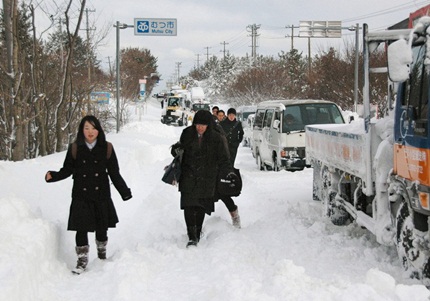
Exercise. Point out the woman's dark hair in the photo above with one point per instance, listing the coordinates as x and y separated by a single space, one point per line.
101 138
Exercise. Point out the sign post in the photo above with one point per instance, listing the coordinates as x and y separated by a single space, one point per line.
142 27
331 29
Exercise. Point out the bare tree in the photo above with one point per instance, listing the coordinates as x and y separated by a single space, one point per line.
66 79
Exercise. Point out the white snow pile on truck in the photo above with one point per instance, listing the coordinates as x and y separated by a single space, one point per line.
376 172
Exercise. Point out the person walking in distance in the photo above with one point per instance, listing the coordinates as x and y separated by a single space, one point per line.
234 133
91 159
215 110
204 155
227 200
221 115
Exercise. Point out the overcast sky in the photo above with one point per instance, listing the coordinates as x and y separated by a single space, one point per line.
203 25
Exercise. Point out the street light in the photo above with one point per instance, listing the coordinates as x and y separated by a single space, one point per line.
118 82
357 38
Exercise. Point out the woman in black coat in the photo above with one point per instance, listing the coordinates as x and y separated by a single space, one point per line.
205 154
91 160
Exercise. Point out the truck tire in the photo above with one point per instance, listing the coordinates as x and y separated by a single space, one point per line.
412 258
275 163
322 182
316 181
260 162
338 216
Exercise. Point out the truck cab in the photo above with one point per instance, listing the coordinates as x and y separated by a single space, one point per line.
174 111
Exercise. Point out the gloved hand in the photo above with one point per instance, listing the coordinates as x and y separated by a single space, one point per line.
127 196
176 149
179 151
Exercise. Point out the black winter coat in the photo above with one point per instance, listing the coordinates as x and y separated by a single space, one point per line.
200 167
233 131
92 208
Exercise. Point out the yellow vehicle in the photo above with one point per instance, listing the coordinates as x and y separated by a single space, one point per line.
174 111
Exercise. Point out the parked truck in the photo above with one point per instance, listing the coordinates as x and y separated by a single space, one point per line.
376 172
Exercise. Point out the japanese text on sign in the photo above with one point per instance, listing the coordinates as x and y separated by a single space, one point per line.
155 27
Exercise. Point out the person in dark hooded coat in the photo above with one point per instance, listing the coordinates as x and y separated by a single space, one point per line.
92 161
205 154
234 133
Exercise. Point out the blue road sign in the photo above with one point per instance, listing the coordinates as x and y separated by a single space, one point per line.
100 97
155 27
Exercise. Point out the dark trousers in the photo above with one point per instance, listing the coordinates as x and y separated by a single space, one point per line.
229 203
82 237
194 216
233 152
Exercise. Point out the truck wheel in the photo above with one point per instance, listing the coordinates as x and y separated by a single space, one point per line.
316 181
412 258
321 183
260 162
275 163
338 215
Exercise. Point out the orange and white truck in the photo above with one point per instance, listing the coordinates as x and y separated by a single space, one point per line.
376 172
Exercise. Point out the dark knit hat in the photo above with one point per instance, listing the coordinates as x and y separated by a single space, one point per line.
203 117
231 111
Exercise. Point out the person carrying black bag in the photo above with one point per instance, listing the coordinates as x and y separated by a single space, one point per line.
228 185
204 156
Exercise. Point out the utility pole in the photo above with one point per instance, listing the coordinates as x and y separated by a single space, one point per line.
198 61
253 28
223 43
292 35
207 53
89 58
178 66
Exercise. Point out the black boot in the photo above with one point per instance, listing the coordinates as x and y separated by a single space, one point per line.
193 235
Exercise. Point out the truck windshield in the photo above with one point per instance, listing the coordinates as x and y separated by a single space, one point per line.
173 101
295 117
201 106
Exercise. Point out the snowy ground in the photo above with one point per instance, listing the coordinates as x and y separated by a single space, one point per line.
285 250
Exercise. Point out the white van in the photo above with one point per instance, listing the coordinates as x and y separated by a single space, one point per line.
242 114
279 130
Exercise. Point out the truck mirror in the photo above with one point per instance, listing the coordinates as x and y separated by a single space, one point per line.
399 59
276 124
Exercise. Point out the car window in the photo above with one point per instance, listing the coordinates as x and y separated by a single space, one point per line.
268 118
258 122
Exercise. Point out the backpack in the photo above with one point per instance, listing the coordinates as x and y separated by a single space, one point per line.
75 150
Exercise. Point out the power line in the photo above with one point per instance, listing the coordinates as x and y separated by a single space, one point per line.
388 11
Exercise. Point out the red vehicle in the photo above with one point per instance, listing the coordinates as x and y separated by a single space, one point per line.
413 17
